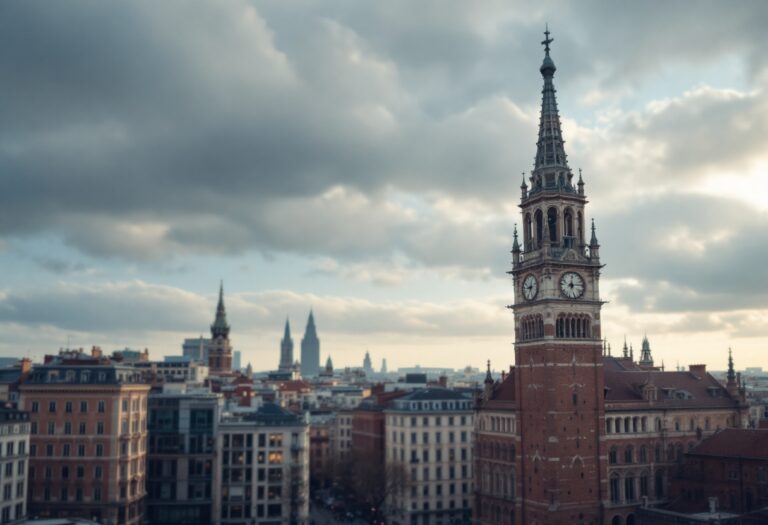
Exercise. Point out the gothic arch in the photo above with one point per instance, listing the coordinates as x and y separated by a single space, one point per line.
552 222
538 218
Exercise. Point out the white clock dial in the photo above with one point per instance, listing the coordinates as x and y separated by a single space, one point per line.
572 285
530 287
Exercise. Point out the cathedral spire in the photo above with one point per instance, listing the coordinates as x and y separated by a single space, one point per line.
220 328
488 376
646 359
731 373
551 171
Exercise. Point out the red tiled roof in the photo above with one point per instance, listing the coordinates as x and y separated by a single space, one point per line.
504 392
294 386
734 443
624 381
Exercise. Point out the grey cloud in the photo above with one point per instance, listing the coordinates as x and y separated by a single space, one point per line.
142 308
146 130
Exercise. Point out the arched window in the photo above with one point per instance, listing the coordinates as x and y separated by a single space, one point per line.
659 483
643 454
644 424
608 426
568 223
643 484
629 488
615 490
528 232
539 218
629 455
580 227
613 456
552 223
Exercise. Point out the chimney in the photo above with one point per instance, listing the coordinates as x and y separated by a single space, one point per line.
443 381
698 370
96 352
26 365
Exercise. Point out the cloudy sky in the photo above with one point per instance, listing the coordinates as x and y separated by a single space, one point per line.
364 159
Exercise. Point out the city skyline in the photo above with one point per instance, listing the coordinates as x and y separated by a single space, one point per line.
379 191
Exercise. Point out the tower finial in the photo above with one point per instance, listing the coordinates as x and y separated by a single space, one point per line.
731 372
488 376
547 40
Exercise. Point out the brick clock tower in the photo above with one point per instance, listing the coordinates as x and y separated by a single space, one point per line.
558 352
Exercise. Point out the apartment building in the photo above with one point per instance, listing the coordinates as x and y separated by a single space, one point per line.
88 439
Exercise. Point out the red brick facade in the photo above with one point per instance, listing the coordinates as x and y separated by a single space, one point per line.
572 435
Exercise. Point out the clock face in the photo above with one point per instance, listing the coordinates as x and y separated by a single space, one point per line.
572 285
530 287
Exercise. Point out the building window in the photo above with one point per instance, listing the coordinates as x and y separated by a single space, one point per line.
83 407
51 428
628 455
101 407
615 495
35 407
68 407
613 456
52 406
99 450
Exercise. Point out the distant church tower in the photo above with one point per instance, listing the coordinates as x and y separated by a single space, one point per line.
367 366
220 349
646 359
310 350
558 351
286 350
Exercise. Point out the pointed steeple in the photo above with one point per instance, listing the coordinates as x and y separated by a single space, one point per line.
515 244
329 365
646 359
593 241
731 372
286 349
524 188
551 171
220 328
488 376
626 348
580 184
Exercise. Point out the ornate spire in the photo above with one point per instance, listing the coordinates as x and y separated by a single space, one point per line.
515 244
645 354
488 376
580 184
220 328
287 332
550 149
731 372
593 240
626 348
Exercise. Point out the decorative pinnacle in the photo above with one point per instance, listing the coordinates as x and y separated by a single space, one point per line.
581 181
593 240
515 244
488 376
547 40
523 185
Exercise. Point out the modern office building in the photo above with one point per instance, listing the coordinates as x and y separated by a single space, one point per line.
262 474
181 460
196 349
